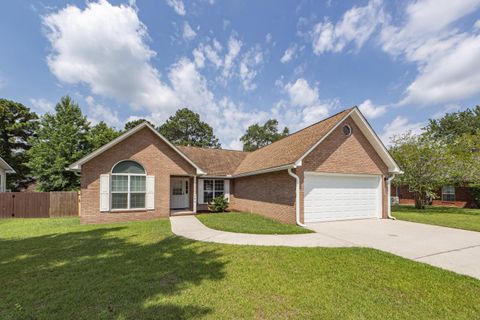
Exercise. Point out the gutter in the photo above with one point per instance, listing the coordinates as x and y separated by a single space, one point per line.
389 184
297 198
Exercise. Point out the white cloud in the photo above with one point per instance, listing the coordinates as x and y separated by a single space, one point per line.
309 108
447 59
98 112
228 119
299 117
188 32
426 21
211 53
178 6
399 126
268 38
356 26
199 58
114 62
112 59
231 63
370 110
42 105
289 54
301 93
477 25
191 86
452 77
234 46
249 66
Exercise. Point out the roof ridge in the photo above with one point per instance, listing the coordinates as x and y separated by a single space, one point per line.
300 130
220 149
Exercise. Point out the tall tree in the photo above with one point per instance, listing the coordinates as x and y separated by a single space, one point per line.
459 133
185 128
425 164
132 124
258 136
453 125
100 134
17 125
61 140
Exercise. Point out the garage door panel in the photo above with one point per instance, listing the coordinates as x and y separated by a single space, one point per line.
337 197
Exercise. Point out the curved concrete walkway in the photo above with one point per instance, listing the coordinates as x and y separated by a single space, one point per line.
190 227
452 249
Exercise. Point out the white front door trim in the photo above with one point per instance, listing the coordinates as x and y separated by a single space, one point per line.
179 193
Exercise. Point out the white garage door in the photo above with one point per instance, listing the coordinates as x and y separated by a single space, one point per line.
340 197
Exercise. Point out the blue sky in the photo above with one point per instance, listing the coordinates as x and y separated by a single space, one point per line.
241 62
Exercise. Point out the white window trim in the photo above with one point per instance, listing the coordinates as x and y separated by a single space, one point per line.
213 190
128 175
450 193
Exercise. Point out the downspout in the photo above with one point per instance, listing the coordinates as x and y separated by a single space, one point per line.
297 197
389 210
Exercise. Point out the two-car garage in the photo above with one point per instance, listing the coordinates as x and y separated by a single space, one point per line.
341 196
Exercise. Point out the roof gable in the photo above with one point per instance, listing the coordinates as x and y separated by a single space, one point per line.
288 150
291 150
76 166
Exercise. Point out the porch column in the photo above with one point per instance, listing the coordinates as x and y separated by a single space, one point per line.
195 194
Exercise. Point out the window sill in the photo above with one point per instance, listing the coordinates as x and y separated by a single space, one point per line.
128 210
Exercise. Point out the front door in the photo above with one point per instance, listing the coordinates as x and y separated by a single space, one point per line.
179 189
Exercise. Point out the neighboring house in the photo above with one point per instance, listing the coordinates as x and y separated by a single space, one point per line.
449 196
4 169
332 170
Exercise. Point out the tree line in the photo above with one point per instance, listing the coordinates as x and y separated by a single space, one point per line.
446 153
39 148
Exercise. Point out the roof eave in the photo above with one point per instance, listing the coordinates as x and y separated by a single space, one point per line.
6 166
273 169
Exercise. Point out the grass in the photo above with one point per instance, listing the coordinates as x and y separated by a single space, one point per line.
59 269
244 222
468 219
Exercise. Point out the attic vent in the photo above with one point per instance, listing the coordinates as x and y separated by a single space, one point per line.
347 130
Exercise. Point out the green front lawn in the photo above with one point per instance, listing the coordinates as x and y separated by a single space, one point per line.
58 269
468 219
244 222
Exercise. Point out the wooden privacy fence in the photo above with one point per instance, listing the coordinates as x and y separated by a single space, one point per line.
38 204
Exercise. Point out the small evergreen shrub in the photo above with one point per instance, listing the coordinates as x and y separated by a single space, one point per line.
219 204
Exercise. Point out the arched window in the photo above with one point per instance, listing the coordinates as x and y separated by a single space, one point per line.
128 185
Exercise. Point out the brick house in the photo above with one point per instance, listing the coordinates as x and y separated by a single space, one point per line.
4 169
332 170
446 196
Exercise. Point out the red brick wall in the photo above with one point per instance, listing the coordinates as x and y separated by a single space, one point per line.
269 194
158 159
341 154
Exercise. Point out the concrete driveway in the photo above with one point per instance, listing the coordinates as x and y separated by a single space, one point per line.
452 249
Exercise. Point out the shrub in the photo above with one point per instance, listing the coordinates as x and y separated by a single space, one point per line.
219 204
476 195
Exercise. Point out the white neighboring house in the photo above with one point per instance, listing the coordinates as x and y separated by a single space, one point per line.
4 169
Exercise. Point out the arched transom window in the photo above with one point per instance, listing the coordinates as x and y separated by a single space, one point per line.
128 185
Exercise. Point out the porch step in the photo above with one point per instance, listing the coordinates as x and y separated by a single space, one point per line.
182 213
